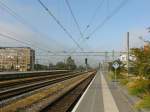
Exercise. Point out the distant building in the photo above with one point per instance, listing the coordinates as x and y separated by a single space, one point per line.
124 58
17 58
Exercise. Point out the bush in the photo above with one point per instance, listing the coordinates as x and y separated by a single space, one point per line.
136 91
124 81
138 87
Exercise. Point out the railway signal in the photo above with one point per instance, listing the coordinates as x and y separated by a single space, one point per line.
86 63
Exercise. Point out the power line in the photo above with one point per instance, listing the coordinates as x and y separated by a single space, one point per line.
22 42
92 52
74 18
20 19
17 17
12 13
108 17
94 14
105 20
91 21
59 23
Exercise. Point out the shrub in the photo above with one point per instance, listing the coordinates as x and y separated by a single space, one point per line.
124 81
138 87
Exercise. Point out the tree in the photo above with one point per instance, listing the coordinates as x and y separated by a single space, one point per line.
61 65
12 67
40 67
142 63
70 64
51 66
81 68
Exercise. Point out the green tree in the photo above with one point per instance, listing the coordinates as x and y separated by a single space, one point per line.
12 67
61 65
70 64
81 68
51 66
142 63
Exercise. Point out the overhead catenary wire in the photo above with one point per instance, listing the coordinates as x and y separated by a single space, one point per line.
17 16
60 24
74 18
116 10
105 20
21 20
94 15
22 42
12 13
91 21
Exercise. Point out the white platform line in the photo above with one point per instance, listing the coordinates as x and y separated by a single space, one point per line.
78 103
108 100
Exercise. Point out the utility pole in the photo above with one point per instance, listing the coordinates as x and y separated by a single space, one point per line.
128 48
37 62
113 55
17 59
32 62
106 56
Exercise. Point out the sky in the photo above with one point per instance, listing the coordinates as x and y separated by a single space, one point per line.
35 26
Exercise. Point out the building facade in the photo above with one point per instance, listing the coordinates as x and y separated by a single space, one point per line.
124 58
17 59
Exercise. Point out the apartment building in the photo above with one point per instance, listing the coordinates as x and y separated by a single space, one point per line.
17 59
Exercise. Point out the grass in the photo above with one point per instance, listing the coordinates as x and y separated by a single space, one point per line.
144 103
136 91
120 77
124 82
138 87
111 75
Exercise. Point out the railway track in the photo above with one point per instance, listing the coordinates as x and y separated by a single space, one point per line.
67 101
19 75
5 85
6 94
56 95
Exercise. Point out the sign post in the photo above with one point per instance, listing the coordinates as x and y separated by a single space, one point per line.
116 66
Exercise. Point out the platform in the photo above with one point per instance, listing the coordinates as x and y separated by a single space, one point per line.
101 96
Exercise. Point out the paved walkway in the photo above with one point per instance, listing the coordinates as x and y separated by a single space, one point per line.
92 100
100 97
